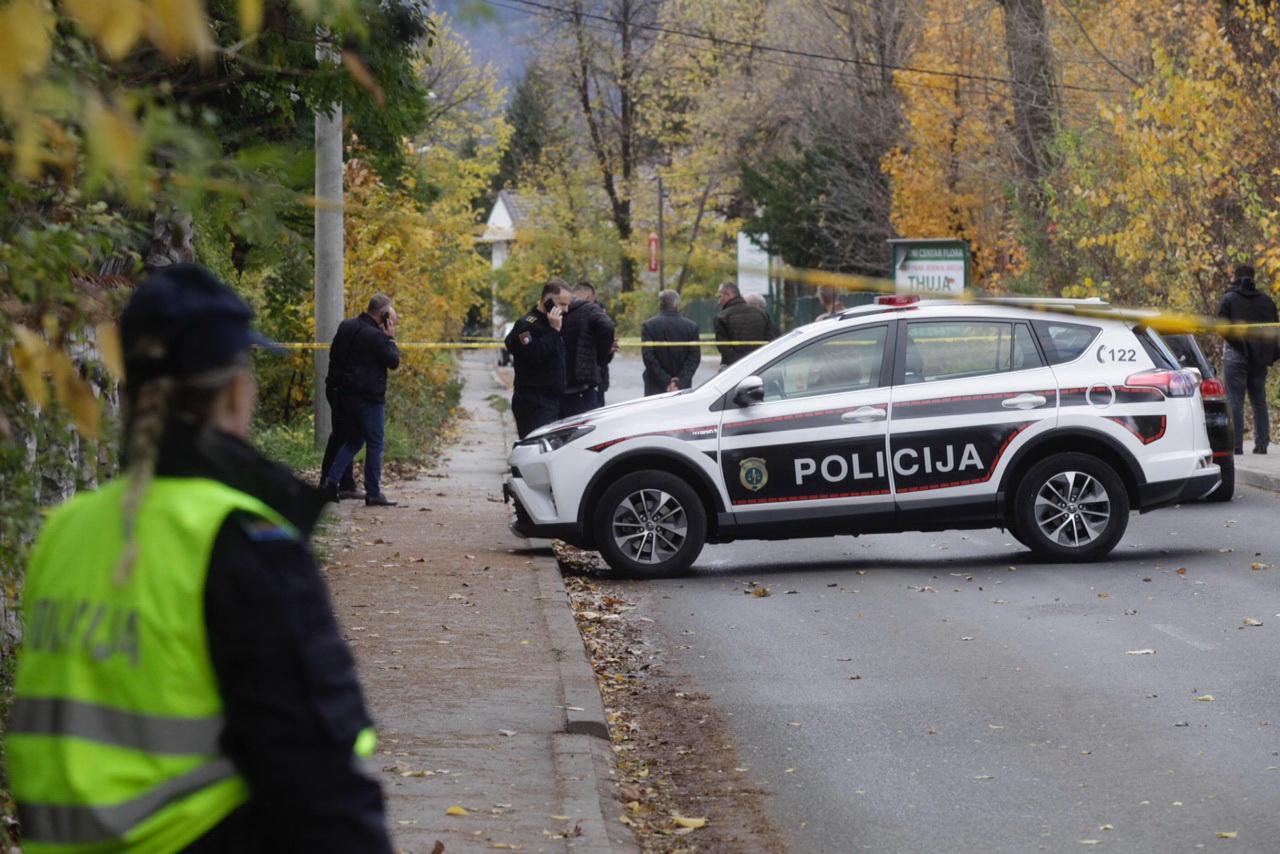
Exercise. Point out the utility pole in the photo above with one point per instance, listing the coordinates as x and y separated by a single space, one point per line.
662 239
328 247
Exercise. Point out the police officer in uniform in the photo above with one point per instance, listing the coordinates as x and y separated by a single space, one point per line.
537 350
182 683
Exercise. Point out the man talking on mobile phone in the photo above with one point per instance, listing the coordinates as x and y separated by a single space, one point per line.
537 350
363 350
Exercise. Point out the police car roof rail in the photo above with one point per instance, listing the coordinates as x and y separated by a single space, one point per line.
1086 301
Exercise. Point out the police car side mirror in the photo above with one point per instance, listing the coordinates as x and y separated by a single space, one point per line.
749 391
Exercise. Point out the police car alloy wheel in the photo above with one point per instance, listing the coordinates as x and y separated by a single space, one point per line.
911 416
650 523
1071 507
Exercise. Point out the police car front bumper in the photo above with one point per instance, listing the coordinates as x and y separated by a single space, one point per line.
523 525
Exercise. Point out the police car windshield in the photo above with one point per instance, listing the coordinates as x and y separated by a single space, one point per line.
745 366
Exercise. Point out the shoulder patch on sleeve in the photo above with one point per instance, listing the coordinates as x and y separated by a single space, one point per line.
260 530
531 319
525 337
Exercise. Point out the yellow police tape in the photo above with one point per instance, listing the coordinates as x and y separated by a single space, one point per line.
498 345
1163 322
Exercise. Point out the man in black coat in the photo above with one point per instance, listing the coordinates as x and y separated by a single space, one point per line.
588 349
537 351
584 290
738 321
669 368
363 350
1246 358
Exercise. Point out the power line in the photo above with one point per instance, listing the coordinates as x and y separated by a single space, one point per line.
570 14
726 48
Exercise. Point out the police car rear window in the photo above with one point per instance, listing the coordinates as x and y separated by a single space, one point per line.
1063 342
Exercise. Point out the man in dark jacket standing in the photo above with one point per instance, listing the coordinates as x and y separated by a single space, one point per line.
361 354
1246 358
588 349
537 351
669 368
738 321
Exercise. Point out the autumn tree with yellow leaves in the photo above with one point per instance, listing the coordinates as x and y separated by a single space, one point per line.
138 132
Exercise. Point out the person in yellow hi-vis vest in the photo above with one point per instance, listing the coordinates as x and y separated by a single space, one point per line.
182 683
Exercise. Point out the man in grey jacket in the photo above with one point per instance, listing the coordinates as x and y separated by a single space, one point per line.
669 368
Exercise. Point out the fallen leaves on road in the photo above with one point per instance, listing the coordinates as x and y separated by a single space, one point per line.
1258 567
761 592
1205 698
1250 621
456 811
669 749
1182 570
1227 834
1141 652
691 823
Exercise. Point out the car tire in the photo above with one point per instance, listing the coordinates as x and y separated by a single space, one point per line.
650 523
1071 508
1227 488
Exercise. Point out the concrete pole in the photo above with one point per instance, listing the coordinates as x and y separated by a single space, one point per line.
329 254
662 239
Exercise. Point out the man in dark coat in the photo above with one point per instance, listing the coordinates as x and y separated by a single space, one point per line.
363 350
537 351
1246 358
669 368
738 321
584 290
588 349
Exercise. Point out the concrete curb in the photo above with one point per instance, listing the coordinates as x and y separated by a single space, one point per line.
1257 479
583 751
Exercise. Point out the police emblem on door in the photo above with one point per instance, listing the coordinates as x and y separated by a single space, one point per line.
752 473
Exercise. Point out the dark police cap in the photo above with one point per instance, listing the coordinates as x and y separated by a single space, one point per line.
181 322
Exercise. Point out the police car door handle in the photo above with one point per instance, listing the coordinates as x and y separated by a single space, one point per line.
863 414
1024 401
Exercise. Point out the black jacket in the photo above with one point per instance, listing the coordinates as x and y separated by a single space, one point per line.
537 351
1244 303
292 701
588 344
663 363
359 358
738 321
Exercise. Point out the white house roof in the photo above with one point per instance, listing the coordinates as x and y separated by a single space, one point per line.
510 213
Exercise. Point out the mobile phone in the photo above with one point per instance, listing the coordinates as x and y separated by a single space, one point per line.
548 303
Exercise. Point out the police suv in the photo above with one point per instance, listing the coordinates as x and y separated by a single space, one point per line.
898 416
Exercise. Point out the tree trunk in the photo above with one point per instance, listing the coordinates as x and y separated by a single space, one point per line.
1035 101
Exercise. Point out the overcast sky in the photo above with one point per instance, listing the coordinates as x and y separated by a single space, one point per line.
497 36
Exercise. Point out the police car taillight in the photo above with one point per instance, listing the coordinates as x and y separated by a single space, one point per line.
1213 389
897 299
1172 383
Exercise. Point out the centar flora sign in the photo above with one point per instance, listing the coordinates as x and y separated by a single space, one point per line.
932 267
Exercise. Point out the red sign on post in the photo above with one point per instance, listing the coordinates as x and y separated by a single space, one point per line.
653 252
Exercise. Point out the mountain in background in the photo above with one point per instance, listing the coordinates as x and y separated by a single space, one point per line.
498 35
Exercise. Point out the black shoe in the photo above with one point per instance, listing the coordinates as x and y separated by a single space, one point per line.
329 490
1260 450
351 494
378 501
1238 451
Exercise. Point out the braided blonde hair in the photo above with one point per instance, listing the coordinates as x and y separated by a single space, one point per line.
150 408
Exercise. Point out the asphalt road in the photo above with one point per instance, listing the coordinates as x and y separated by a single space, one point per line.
998 707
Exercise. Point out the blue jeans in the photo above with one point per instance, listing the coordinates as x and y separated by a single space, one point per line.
364 422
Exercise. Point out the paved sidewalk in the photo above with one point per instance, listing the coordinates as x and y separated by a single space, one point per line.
473 668
1259 470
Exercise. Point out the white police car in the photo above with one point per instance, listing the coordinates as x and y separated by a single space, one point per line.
900 416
